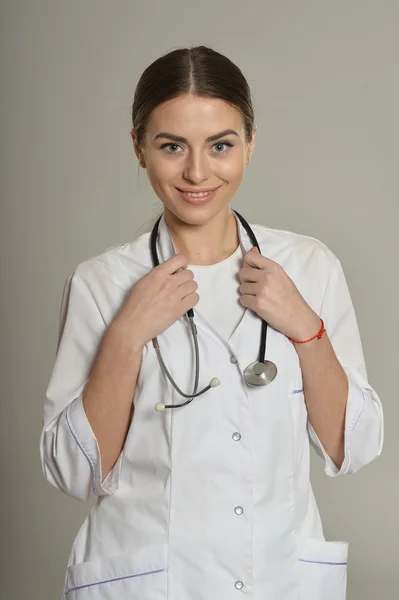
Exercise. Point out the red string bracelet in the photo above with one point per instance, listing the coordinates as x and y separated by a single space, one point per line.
318 335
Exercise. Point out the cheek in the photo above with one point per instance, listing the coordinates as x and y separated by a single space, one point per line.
232 171
233 165
162 171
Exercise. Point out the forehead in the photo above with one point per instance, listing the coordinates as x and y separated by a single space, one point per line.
193 116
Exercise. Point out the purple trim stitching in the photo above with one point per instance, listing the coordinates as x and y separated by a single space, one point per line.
320 562
297 391
79 587
74 435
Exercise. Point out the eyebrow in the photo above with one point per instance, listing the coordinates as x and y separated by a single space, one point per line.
182 140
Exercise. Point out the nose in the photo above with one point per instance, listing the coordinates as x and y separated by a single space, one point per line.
197 168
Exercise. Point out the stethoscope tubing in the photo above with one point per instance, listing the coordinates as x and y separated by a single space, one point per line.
262 364
190 312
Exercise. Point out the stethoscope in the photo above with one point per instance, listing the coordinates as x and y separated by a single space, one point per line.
260 372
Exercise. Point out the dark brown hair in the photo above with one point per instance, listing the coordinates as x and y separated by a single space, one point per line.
198 70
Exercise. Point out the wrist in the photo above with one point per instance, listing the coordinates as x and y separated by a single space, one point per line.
128 334
309 327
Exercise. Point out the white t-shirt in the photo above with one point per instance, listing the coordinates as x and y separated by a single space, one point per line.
218 289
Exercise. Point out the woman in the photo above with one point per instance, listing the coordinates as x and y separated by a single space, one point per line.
211 500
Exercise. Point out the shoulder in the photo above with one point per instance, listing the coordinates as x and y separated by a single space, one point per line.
121 264
290 248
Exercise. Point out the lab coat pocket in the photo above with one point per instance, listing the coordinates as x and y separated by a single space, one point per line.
142 575
323 569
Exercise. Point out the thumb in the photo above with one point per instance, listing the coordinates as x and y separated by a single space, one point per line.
253 257
253 249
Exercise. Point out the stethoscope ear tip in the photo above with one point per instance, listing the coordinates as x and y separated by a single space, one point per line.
160 407
214 382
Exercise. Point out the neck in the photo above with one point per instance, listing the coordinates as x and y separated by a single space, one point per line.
207 243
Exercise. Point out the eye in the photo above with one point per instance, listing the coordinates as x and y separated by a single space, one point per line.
221 147
171 147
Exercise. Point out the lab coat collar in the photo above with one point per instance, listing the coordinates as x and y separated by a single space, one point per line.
166 248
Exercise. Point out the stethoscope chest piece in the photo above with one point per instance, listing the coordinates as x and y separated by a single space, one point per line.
259 373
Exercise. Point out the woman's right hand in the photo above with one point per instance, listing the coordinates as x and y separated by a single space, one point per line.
157 300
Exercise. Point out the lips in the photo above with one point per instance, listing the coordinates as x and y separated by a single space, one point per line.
193 196
196 191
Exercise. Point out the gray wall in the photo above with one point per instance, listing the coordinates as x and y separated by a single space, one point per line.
324 79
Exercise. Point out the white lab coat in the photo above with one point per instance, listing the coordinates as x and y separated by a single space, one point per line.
211 501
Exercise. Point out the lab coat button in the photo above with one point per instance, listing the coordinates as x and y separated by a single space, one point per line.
238 585
236 436
233 359
238 510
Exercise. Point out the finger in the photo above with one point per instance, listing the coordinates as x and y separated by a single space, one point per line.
254 259
174 264
187 288
250 289
249 274
182 276
189 302
248 301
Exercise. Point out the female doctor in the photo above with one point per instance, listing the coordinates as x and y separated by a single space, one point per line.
196 365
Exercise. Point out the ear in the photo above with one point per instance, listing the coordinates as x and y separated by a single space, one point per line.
137 149
251 145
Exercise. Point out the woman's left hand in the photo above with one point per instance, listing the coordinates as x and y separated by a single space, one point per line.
268 290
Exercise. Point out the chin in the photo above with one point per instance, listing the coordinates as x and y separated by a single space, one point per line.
197 215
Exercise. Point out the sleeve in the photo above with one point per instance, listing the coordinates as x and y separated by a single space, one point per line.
69 451
364 423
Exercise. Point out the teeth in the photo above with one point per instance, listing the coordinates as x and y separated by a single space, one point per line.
197 195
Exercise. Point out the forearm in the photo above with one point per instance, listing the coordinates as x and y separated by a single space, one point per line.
325 386
108 395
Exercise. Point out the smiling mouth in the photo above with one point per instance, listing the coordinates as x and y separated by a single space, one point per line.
198 197
198 193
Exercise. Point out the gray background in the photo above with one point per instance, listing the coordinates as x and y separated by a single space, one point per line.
325 84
